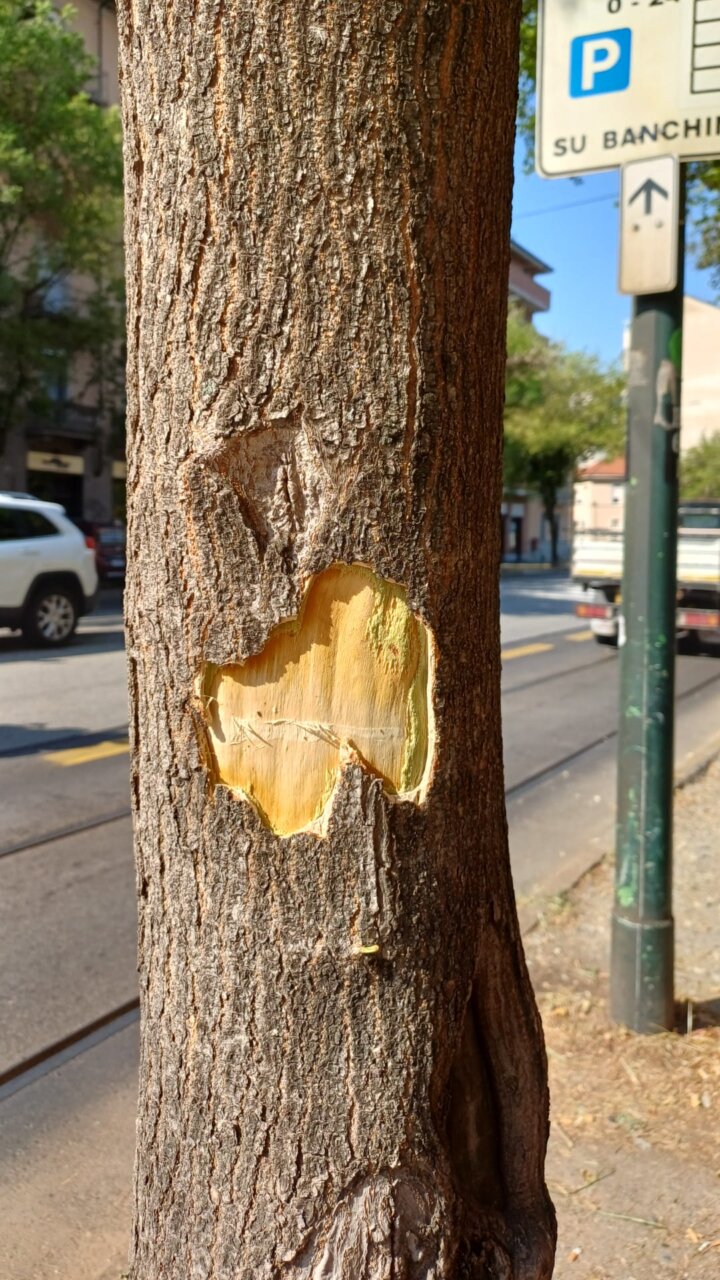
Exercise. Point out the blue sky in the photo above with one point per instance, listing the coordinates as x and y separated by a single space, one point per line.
580 243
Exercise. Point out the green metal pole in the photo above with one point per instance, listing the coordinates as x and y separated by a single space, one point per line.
641 974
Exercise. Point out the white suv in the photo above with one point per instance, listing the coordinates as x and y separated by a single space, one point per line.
48 577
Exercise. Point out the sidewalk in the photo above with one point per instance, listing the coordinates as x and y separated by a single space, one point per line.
634 1159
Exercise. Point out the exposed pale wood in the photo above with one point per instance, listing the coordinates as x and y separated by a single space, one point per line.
349 677
342 1068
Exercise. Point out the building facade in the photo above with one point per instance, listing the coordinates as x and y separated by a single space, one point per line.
599 497
524 287
525 530
74 453
599 494
700 408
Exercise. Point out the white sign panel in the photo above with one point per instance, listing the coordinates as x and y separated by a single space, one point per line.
622 80
649 209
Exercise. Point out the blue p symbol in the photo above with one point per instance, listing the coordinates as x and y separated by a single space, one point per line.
600 63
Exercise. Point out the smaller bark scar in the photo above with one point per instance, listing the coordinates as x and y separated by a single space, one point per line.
350 676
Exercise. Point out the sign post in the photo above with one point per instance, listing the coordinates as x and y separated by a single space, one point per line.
642 959
635 84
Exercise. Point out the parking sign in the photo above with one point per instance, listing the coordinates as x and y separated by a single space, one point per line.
623 80
600 63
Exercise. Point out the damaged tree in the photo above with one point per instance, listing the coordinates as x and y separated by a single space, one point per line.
342 1066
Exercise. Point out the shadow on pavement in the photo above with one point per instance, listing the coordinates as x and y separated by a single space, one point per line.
100 632
13 647
547 595
31 739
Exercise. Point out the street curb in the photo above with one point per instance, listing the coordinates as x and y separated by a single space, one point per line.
530 913
696 768
510 569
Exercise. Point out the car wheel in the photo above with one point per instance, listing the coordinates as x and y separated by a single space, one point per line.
51 618
611 640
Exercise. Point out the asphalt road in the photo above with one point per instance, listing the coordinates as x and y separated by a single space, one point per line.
67 910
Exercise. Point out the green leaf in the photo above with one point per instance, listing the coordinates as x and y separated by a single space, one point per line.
561 408
60 212
700 470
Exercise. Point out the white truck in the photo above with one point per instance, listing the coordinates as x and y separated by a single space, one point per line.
597 565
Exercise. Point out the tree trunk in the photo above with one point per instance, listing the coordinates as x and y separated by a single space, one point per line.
342 1066
551 517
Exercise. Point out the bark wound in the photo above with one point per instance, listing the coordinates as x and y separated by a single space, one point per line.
277 477
350 676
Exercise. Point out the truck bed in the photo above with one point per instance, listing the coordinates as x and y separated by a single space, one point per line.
699 558
598 558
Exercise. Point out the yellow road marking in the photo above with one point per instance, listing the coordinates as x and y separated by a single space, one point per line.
580 636
525 651
82 755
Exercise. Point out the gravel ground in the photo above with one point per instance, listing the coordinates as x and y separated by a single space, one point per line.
634 1159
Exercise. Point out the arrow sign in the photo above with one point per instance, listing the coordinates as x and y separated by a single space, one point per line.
649 245
648 189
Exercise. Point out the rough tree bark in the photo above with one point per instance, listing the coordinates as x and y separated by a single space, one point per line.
342 1067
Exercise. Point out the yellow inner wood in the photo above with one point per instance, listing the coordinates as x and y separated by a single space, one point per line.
351 673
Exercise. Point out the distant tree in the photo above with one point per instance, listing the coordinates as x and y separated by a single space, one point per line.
560 408
526 87
704 192
61 294
700 470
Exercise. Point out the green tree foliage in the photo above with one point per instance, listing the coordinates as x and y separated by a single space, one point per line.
526 88
60 214
561 407
700 470
704 198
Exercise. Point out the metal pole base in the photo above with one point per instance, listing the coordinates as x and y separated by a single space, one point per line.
641 982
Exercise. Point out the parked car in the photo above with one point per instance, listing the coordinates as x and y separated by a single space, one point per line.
109 542
48 578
